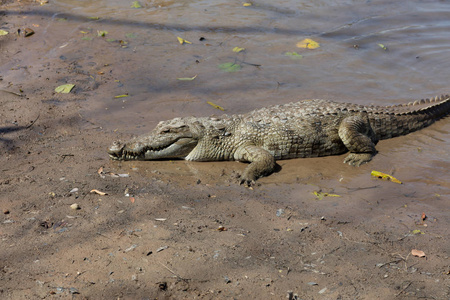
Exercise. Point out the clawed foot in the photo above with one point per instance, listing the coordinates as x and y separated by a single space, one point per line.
246 179
357 159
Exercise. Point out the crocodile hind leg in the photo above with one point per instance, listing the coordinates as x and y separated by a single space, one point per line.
359 138
262 163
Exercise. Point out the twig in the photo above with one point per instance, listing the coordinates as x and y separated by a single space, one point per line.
407 286
32 123
17 94
63 157
178 276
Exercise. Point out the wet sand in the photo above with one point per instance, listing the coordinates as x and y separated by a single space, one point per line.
186 230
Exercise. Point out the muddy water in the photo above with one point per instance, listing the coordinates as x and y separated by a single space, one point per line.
141 57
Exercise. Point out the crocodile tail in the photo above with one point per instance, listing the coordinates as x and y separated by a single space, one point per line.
402 119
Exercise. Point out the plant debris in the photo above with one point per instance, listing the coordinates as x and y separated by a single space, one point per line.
65 88
385 176
216 106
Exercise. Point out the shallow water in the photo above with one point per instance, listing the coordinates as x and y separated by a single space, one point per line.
349 65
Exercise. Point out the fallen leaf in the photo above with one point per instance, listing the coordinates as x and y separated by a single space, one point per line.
216 106
28 32
417 253
247 4
3 32
308 44
65 88
183 41
221 228
294 55
110 40
424 216
100 172
132 199
98 192
238 49
385 176
417 231
131 35
187 78
86 38
383 47
229 67
136 4
321 195
94 18
102 32
121 96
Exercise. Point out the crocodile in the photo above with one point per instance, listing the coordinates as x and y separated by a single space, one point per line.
309 128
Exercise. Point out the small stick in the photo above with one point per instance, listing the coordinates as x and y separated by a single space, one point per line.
32 123
178 276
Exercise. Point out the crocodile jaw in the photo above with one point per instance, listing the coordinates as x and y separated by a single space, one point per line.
144 149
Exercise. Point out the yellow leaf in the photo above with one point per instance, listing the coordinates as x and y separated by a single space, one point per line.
215 106
320 195
385 176
187 78
383 47
64 89
3 32
237 49
121 96
417 231
183 41
247 4
308 44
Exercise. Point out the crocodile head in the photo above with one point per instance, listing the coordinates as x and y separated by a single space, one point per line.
175 138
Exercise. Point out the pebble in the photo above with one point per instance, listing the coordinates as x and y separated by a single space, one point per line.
322 290
75 206
74 190
280 212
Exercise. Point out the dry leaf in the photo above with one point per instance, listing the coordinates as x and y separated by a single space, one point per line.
385 176
424 216
308 44
132 199
183 41
215 106
221 228
65 88
321 195
417 253
187 78
98 192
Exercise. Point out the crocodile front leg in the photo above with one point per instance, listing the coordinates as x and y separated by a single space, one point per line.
262 163
359 138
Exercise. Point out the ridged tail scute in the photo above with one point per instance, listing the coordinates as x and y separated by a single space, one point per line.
402 119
